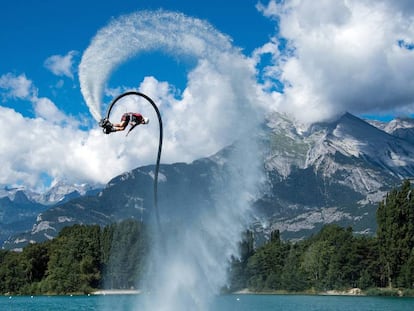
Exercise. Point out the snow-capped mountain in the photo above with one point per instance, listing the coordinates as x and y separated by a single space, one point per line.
17 213
352 137
10 192
333 172
59 192
400 127
20 207
63 191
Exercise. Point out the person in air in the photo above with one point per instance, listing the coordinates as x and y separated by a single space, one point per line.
129 117
132 118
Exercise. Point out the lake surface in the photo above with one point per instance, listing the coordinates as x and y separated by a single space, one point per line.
220 303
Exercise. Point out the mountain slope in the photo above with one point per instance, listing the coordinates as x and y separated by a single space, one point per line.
182 187
332 172
17 213
329 173
20 207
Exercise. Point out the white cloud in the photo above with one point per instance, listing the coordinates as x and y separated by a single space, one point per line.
16 87
32 147
405 7
21 88
46 109
343 56
208 116
45 144
61 65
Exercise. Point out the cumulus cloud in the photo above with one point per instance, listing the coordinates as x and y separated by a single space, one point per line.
61 65
19 87
42 147
49 143
46 109
337 56
16 87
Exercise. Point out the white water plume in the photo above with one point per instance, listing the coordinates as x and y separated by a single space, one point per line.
139 32
219 104
193 267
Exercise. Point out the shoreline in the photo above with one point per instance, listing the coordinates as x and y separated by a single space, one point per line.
349 292
375 292
116 292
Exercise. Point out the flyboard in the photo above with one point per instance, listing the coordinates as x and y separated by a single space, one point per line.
107 125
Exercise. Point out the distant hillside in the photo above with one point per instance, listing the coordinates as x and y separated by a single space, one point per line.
329 173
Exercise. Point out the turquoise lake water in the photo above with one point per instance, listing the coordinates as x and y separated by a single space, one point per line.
220 303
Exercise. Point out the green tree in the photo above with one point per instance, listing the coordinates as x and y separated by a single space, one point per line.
331 259
395 232
35 258
293 278
74 263
75 260
237 271
366 259
265 267
316 260
12 272
406 277
125 260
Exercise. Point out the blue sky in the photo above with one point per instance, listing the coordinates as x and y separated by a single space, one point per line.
35 30
209 65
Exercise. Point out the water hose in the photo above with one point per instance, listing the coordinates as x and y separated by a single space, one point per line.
157 166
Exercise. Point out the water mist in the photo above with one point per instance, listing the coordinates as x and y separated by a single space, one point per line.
193 266
190 266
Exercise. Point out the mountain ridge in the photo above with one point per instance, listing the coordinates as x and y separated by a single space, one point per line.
333 172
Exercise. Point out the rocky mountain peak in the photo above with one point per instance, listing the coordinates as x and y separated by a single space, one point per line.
334 172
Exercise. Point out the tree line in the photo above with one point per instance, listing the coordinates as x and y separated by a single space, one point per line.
83 258
80 259
336 258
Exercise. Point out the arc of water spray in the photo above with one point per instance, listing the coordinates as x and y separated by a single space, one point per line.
157 166
197 261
